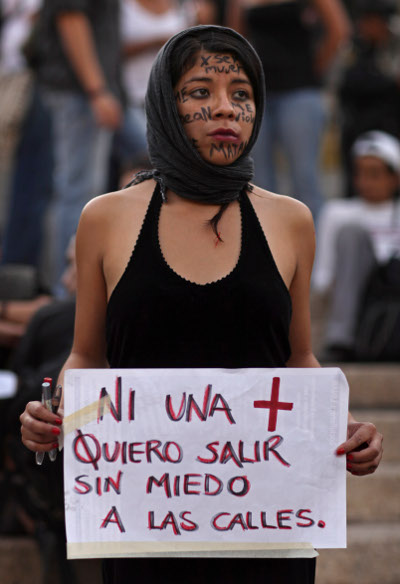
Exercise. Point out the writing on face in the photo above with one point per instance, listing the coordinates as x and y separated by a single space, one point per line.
228 151
216 107
220 63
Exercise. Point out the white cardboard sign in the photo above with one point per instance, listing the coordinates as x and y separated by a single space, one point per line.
166 459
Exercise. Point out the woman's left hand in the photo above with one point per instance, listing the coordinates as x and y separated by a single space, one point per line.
363 448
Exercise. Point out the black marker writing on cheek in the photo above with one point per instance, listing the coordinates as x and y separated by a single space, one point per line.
238 106
181 95
245 114
202 116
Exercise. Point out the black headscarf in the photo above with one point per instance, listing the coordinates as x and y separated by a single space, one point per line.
176 163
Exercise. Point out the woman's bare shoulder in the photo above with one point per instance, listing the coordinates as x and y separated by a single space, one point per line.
106 208
285 209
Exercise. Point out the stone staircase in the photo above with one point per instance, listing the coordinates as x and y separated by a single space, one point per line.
373 502
373 553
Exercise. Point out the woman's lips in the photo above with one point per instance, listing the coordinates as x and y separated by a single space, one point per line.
225 135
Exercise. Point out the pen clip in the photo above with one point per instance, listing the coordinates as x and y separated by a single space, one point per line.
56 399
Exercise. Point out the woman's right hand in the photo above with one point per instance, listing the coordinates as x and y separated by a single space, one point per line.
40 428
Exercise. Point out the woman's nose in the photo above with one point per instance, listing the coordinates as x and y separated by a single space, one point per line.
223 107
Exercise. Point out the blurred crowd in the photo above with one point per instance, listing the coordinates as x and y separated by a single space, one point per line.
73 76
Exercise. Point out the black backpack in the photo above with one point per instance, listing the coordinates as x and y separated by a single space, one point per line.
378 330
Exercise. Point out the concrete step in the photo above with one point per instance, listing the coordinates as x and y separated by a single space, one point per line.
19 561
388 423
374 385
372 557
375 497
20 564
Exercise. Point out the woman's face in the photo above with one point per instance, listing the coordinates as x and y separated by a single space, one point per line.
215 102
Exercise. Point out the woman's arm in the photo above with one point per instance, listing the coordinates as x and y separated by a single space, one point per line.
337 30
15 316
363 447
303 238
235 17
198 12
133 49
40 427
77 39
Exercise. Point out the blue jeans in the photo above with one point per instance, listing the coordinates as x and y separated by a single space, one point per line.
81 150
30 188
293 121
130 139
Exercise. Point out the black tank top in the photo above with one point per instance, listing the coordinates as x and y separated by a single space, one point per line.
156 318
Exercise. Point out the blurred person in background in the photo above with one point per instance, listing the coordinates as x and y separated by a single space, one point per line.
369 85
219 15
32 496
25 138
16 315
355 235
48 338
76 51
145 26
14 318
295 63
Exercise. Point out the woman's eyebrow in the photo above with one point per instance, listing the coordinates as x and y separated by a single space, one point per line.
197 79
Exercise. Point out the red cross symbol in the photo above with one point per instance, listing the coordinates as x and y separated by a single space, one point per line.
274 405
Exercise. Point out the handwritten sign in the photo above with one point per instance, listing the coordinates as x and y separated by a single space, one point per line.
156 459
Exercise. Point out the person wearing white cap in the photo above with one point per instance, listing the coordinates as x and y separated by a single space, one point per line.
354 235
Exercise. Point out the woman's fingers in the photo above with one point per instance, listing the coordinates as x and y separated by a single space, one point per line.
40 428
368 466
363 448
39 447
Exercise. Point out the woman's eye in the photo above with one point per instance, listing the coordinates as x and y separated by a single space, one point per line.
202 92
241 95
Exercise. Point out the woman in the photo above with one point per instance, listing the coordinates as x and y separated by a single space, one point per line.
202 287
282 32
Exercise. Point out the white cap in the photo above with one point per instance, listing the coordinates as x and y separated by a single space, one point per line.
380 145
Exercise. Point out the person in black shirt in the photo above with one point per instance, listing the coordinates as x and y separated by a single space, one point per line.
297 41
76 53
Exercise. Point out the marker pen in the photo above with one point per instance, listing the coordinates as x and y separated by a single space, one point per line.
55 402
46 401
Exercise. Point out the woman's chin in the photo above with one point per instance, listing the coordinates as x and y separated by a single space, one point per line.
219 160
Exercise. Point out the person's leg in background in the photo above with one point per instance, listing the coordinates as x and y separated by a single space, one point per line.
355 260
82 150
31 188
130 146
300 121
264 150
